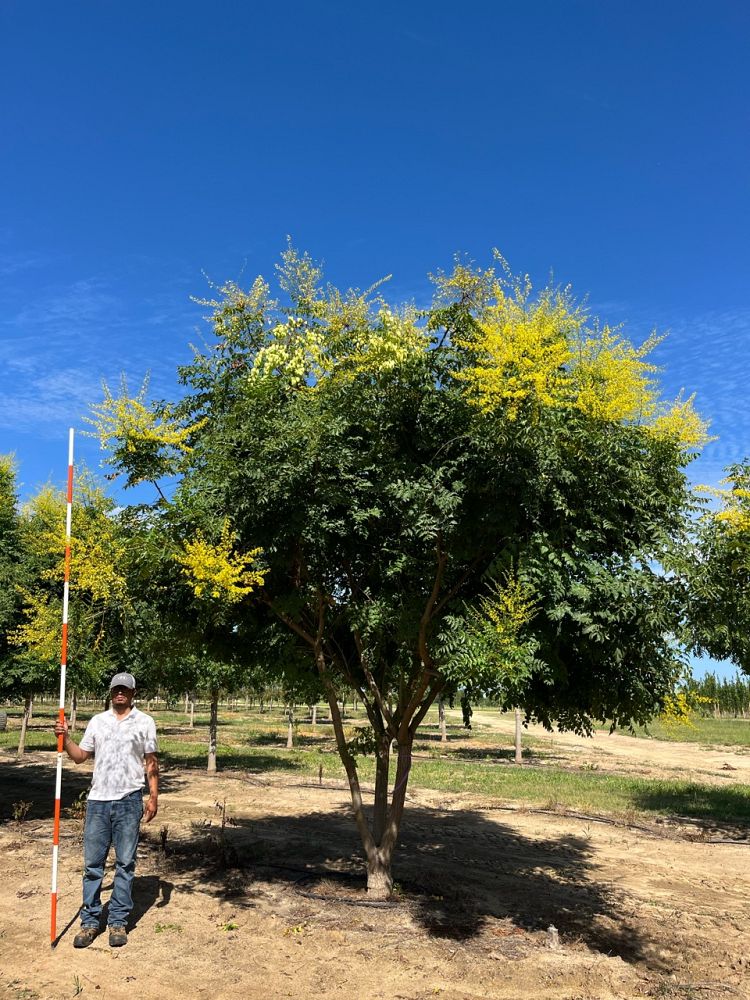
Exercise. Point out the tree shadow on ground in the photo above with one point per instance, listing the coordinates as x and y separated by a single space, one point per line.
431 734
245 760
488 755
703 802
32 780
457 871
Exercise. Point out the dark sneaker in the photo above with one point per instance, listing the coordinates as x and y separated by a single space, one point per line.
118 936
85 936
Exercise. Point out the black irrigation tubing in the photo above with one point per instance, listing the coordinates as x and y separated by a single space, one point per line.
609 821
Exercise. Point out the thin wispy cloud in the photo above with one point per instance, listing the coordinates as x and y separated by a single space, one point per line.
709 355
56 351
13 263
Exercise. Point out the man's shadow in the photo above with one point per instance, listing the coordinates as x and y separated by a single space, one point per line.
148 891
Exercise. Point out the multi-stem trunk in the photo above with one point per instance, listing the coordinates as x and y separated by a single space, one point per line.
213 729
380 859
380 802
379 843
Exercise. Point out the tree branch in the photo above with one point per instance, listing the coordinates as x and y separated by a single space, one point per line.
376 693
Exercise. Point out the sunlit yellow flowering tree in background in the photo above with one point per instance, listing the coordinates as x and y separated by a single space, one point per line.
716 572
99 603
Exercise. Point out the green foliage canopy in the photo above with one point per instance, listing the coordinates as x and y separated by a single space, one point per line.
472 497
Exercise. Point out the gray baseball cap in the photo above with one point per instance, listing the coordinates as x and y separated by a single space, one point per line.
122 680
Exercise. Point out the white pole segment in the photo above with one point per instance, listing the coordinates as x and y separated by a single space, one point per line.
63 672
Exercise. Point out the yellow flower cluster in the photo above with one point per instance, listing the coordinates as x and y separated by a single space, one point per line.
546 352
501 617
735 509
679 709
40 630
523 352
611 378
97 548
681 423
384 345
304 354
215 570
129 420
294 353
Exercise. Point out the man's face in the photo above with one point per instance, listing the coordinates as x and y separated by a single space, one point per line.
122 696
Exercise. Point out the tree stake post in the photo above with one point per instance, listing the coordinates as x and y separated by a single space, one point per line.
61 710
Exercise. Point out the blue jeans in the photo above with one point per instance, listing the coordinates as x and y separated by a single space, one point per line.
107 823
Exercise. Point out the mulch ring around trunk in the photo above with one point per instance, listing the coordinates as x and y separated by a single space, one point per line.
341 887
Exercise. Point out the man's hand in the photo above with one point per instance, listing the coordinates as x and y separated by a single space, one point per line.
72 749
152 774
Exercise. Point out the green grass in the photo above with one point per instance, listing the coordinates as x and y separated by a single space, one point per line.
708 731
587 792
256 742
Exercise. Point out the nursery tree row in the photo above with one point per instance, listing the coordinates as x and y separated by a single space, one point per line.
487 497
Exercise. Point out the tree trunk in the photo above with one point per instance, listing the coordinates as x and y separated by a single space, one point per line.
31 707
379 879
192 712
348 761
519 755
290 729
441 720
213 728
380 802
314 715
73 709
24 726
187 700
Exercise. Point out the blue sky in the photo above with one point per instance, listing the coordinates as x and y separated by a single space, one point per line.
144 144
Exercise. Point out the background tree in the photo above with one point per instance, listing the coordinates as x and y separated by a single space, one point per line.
99 604
716 573
470 499
13 569
18 677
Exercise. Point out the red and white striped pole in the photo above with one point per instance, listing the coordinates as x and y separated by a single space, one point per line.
63 669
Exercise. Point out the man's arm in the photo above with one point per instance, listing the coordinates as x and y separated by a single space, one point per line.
152 776
69 746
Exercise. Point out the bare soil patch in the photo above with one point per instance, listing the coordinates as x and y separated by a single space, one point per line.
255 889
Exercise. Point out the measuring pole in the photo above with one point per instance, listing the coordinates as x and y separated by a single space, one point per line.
61 710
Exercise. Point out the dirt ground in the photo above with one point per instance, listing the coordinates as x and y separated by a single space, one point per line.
251 885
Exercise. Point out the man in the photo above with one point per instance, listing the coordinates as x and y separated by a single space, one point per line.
120 741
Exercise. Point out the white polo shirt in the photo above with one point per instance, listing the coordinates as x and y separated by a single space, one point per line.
119 748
